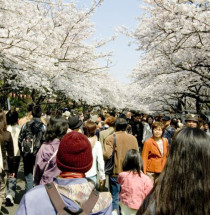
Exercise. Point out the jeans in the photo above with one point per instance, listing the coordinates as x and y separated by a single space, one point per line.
11 187
115 191
28 163
29 181
3 183
11 182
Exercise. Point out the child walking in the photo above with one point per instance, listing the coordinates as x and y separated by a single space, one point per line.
135 185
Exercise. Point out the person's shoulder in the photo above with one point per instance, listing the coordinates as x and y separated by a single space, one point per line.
124 173
109 137
7 132
165 139
98 144
7 135
36 191
145 177
149 141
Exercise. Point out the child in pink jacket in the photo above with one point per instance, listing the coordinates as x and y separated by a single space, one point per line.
135 185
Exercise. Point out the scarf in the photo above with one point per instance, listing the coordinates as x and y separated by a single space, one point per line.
70 175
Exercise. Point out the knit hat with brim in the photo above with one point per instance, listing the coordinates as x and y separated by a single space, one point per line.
74 153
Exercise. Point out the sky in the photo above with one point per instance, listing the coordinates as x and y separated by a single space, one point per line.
110 15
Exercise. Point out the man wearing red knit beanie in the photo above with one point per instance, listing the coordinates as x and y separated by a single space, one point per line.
74 159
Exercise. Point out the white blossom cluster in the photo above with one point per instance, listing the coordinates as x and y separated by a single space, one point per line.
46 46
173 36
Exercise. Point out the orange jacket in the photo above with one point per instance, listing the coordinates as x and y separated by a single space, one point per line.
151 156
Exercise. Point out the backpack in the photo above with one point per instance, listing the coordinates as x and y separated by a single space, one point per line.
33 137
60 206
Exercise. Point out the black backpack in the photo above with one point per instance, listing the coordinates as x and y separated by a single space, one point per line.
33 137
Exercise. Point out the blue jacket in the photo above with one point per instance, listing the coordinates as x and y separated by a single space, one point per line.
36 201
169 133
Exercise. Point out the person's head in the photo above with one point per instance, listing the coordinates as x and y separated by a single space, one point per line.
132 161
166 121
206 126
110 121
144 119
150 119
128 115
89 128
66 114
37 111
74 153
157 129
12 117
137 117
30 107
121 124
100 125
201 126
183 187
192 121
174 123
100 117
74 122
56 128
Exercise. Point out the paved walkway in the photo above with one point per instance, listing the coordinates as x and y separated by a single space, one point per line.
19 193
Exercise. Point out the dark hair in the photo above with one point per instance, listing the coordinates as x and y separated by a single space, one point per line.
37 111
12 117
101 116
183 187
30 107
150 116
121 124
89 128
56 128
174 122
132 161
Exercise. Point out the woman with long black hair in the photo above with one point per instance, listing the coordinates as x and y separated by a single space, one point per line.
183 188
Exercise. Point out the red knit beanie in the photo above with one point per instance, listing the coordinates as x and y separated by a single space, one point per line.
74 153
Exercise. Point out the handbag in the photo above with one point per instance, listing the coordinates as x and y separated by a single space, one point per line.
109 163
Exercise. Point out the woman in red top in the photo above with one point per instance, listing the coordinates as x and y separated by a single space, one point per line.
155 152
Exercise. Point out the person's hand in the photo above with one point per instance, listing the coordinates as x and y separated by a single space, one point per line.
12 175
101 184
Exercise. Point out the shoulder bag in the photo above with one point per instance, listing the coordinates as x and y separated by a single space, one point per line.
109 163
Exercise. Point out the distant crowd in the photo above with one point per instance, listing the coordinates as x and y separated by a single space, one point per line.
105 162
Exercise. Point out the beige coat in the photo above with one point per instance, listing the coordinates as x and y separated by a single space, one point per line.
124 142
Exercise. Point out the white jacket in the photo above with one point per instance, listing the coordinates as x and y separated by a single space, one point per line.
15 130
98 162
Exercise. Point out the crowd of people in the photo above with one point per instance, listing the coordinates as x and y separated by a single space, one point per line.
159 164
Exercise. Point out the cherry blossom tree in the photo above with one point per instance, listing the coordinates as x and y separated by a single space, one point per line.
174 39
45 46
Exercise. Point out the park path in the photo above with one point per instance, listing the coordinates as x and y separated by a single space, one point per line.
19 193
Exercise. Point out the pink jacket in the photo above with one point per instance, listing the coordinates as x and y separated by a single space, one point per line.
134 188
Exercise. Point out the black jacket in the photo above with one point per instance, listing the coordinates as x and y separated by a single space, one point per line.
35 124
